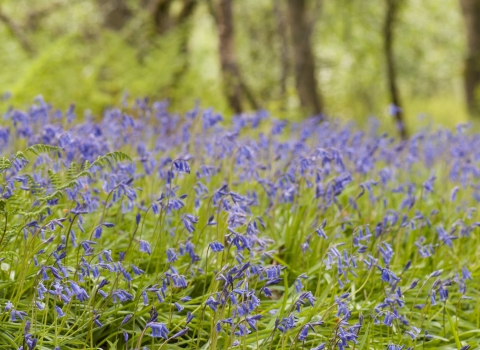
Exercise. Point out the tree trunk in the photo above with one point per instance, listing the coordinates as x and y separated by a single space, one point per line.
161 16
115 13
228 60
305 76
471 14
388 31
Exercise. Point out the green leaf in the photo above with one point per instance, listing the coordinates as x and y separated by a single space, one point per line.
40 148
454 330
5 164
365 337
109 158
54 178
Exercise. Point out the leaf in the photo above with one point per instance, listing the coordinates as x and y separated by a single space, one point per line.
40 148
73 169
108 158
20 154
56 194
82 173
54 178
365 337
454 330
34 214
68 185
33 184
5 164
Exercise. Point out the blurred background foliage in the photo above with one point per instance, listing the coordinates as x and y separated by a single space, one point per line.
63 50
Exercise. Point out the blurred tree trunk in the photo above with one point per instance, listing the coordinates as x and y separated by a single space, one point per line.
471 14
233 83
116 13
161 15
284 53
163 18
228 60
305 76
388 31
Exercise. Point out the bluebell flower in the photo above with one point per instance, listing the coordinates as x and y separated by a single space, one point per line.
179 307
298 282
137 271
159 330
252 321
171 256
59 311
189 318
120 295
97 322
145 247
181 333
413 332
212 303
216 247
98 232
126 319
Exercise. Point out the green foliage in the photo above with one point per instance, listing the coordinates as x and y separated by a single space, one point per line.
39 148
5 164
78 61
110 157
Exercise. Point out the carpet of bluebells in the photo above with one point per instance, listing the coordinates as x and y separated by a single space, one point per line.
146 229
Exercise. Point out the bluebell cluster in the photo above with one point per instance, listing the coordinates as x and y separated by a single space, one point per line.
149 229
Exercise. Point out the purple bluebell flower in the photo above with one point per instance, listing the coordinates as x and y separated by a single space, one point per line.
59 311
126 319
145 247
181 165
216 247
159 330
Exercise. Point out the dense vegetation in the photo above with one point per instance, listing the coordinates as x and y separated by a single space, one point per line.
153 229
75 59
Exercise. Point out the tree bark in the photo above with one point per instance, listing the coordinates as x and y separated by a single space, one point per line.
305 72
161 16
388 31
116 13
471 14
228 59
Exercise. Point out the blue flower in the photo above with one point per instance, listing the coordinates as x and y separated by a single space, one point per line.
216 247
59 311
159 330
145 247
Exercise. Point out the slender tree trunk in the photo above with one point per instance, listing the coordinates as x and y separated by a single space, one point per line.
284 53
228 60
471 14
388 31
116 13
305 75
161 15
